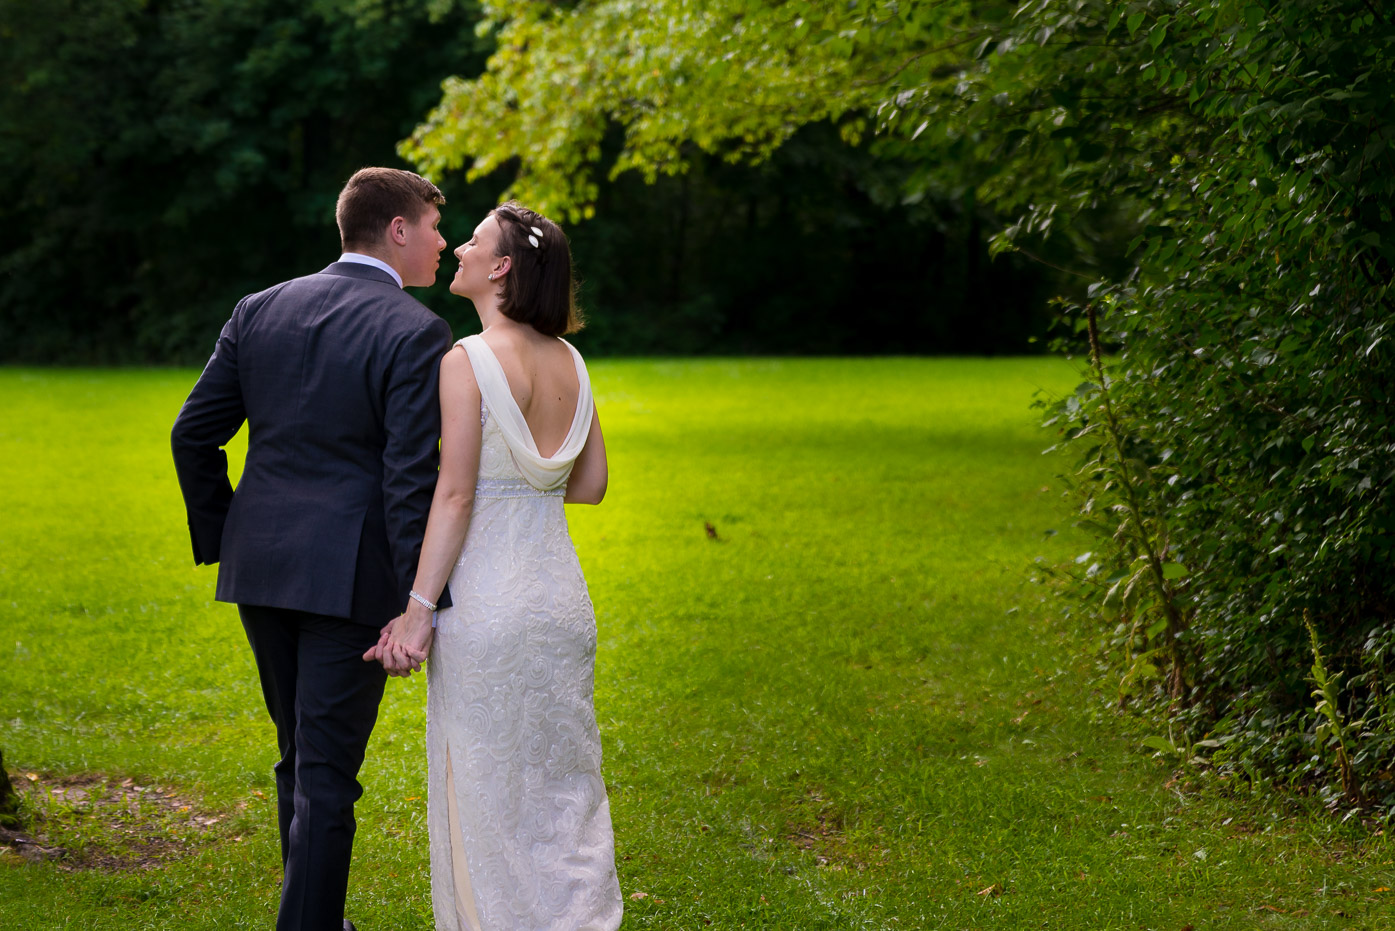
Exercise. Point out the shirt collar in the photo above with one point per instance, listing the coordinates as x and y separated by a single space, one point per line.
361 259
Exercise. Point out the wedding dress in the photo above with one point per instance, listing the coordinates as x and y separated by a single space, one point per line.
519 820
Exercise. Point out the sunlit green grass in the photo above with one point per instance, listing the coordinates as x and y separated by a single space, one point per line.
851 709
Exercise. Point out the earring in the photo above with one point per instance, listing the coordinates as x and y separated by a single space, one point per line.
491 276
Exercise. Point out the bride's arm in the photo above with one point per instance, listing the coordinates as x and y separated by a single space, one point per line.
409 640
590 473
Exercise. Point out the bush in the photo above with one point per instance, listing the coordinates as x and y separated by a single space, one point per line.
1251 450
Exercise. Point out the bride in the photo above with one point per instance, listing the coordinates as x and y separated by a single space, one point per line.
519 821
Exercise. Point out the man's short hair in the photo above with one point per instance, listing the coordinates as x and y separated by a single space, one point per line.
374 196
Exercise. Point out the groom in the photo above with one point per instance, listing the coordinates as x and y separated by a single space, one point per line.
335 374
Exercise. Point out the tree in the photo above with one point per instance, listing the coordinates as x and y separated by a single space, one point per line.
162 159
575 97
9 799
735 78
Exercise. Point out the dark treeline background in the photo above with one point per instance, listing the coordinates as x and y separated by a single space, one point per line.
160 159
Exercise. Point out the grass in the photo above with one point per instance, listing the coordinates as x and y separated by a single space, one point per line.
849 710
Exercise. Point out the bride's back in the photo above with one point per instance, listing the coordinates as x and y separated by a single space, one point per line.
542 378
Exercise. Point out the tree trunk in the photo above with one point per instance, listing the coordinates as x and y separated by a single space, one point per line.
9 801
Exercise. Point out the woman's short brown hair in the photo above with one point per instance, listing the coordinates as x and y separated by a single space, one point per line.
539 289
373 196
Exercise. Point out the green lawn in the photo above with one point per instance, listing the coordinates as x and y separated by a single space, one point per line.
851 710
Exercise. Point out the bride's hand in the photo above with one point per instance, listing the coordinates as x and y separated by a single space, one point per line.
407 641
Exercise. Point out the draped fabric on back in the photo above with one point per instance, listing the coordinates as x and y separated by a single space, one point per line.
543 473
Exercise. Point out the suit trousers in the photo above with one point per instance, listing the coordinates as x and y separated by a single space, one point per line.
323 699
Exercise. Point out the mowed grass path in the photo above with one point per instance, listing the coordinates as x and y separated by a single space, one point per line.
851 709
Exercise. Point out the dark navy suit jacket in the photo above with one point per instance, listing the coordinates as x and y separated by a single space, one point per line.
336 375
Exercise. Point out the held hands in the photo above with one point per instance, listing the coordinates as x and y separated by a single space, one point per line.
404 643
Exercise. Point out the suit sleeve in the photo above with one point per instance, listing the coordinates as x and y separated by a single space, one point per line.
210 417
411 455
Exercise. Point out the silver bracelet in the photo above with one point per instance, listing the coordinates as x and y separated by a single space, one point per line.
422 600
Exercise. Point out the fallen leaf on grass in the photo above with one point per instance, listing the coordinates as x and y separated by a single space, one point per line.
1381 889
636 896
994 890
1270 908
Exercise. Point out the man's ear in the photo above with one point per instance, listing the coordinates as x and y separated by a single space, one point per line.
397 231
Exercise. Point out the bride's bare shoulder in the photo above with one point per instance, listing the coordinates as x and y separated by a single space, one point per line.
456 369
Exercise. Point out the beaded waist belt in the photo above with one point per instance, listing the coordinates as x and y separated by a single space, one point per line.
510 488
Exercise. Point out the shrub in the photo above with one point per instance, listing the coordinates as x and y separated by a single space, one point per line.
1251 388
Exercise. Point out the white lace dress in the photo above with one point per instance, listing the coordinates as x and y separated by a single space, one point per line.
520 825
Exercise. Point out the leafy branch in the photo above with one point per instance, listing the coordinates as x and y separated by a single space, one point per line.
1147 532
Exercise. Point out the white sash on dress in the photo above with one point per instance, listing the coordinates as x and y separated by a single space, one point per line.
545 474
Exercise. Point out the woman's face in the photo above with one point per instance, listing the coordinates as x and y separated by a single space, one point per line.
477 261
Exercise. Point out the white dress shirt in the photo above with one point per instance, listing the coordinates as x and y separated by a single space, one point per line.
362 259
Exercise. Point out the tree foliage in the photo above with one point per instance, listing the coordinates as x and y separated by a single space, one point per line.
1233 433
161 159
733 78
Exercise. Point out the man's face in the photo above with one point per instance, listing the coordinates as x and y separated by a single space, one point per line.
421 255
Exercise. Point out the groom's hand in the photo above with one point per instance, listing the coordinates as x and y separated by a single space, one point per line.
374 654
406 641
